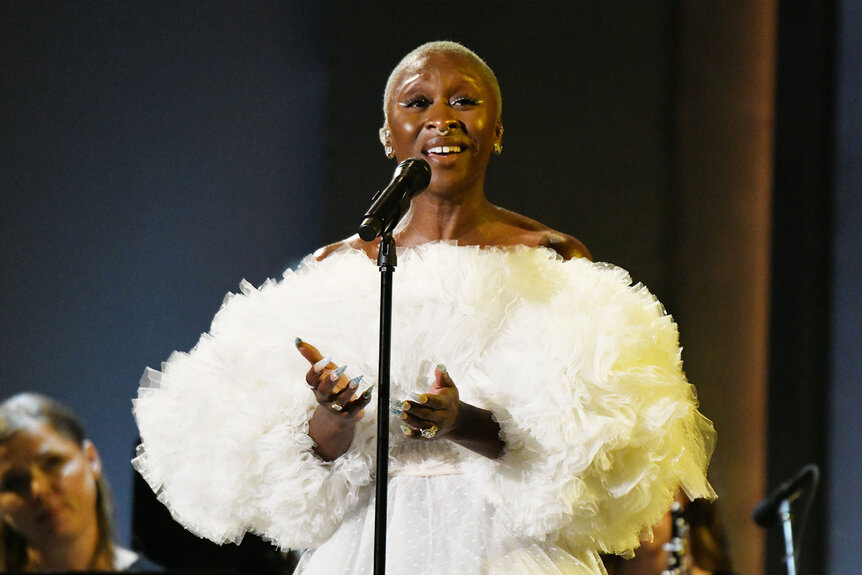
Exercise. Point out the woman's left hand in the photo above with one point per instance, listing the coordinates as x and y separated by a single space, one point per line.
440 413
433 414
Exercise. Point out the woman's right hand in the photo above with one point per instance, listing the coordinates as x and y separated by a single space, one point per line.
333 391
339 407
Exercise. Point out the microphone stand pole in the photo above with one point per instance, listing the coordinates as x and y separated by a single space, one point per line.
386 261
789 551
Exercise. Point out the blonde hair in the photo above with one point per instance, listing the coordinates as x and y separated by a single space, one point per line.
438 47
20 412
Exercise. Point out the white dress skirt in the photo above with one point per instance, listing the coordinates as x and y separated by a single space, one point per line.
581 369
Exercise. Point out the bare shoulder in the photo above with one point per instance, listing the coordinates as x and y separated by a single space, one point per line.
352 243
567 246
530 232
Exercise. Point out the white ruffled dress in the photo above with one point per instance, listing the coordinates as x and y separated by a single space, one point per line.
581 369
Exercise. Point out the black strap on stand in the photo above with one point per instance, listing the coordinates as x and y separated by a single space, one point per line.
386 261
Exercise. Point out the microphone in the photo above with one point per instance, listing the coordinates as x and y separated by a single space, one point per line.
388 206
767 510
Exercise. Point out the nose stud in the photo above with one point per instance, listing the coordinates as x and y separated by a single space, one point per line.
443 132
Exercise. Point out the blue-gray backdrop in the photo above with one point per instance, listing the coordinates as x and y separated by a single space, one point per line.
153 154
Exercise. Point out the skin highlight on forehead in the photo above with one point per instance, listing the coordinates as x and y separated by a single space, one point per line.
420 71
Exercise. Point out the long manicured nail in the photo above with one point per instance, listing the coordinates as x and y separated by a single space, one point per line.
396 412
337 373
297 342
367 393
442 368
354 383
318 367
418 398
406 431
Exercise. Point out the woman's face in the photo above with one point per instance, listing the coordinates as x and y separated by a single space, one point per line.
444 110
48 486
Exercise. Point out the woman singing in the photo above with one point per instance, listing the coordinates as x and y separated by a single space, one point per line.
540 414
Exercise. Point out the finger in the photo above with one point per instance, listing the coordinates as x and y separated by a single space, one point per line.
320 374
417 410
334 377
423 430
442 379
435 399
343 389
356 405
316 374
329 382
411 415
308 351
414 422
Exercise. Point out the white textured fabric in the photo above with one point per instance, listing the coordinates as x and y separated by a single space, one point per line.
582 371
123 558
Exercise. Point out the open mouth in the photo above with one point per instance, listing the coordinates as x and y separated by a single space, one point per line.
443 150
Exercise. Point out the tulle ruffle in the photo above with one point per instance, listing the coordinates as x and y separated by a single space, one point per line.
581 370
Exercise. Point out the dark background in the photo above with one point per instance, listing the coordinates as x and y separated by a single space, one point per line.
153 154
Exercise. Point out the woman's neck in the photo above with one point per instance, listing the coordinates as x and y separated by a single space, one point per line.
433 218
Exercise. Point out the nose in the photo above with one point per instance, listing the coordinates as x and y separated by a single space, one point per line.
443 127
441 118
39 484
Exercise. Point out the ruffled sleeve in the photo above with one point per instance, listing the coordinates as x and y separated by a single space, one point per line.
581 369
600 424
224 427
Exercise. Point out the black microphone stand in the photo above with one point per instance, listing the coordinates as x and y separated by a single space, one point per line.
389 206
386 261
787 529
777 506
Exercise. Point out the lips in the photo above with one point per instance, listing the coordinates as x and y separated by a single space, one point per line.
441 147
49 513
45 515
443 150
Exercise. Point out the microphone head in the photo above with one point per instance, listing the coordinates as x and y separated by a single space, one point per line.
411 177
766 512
415 173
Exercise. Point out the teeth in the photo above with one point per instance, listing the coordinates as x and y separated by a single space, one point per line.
445 150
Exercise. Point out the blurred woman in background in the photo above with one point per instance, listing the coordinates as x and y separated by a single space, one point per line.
54 501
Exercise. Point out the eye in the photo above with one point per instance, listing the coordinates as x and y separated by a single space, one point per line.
52 463
15 482
416 102
465 102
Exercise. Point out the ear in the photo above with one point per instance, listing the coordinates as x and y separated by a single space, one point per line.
386 141
93 459
383 134
498 133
